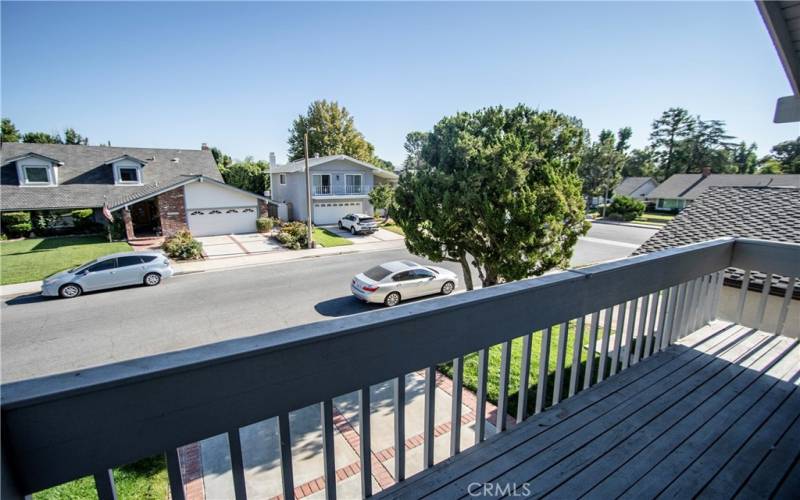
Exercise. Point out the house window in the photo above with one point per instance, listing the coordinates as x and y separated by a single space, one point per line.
129 174
353 183
36 175
282 179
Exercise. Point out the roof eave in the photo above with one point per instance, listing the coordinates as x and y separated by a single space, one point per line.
787 109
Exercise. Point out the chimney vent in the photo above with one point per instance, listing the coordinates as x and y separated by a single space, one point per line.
204 146
272 161
706 171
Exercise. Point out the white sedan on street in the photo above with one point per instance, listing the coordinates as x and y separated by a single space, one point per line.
398 280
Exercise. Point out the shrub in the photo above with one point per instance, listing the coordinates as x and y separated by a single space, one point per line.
265 224
3 237
12 218
294 235
82 218
625 208
183 246
17 230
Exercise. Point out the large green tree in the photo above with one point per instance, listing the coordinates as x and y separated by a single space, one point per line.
382 197
668 139
249 174
41 138
331 131
500 190
73 137
415 141
639 163
9 131
602 162
787 155
744 159
221 158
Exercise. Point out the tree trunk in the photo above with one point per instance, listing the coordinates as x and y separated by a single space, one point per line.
466 271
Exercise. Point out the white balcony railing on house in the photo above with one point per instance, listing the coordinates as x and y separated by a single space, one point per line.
59 428
338 190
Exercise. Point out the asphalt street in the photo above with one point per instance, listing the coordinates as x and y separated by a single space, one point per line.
40 336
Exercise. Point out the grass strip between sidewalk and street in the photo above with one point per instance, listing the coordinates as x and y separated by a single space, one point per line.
328 239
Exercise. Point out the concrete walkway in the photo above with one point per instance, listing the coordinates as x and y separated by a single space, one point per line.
210 473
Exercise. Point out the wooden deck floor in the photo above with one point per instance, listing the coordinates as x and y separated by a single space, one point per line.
715 416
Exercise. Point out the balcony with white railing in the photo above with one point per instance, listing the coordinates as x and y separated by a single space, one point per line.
641 390
341 190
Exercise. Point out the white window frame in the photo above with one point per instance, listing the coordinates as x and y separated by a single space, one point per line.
330 179
47 168
282 179
125 165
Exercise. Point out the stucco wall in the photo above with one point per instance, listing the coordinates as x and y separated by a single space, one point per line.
212 195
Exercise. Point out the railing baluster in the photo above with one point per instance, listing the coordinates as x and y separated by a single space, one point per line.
743 296
364 448
651 325
601 369
285 444
430 412
787 298
762 304
669 318
174 475
480 403
677 313
577 350
631 324
696 305
544 367
561 354
640 334
104 483
502 398
718 283
702 303
593 326
684 311
524 378
328 452
618 332
455 411
237 465
400 428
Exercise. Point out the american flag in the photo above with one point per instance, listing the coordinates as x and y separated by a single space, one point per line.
107 213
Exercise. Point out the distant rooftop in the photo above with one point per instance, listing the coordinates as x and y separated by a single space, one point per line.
691 186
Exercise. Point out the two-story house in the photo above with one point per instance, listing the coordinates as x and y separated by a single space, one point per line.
339 185
157 191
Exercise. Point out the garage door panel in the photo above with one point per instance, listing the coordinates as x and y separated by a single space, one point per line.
214 221
329 212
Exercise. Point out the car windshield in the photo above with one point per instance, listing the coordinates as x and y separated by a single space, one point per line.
81 268
366 219
434 271
377 273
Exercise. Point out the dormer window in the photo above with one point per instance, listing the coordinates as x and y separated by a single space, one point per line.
127 171
37 171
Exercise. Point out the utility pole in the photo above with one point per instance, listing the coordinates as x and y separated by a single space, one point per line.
308 196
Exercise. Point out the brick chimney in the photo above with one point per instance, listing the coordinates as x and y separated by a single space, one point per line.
204 146
272 161
706 171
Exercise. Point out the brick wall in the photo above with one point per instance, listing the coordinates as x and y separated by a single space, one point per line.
263 208
172 210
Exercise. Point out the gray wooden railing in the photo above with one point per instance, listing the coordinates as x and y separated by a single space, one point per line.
59 428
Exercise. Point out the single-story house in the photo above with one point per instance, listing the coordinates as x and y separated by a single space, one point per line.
157 191
340 185
767 213
635 187
680 190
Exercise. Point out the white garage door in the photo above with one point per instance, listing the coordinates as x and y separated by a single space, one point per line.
329 212
213 221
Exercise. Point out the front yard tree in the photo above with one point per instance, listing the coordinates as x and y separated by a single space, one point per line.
668 138
9 131
382 197
415 141
499 189
787 155
601 166
331 131
41 138
73 137
250 175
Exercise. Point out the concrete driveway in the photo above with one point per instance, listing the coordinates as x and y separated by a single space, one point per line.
237 245
379 235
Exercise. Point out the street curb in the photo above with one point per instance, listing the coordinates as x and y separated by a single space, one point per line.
627 224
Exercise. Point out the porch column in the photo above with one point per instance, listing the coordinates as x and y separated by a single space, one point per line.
126 218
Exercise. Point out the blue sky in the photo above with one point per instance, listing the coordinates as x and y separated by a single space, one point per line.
235 75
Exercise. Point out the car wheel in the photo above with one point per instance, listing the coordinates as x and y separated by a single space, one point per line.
152 279
340 225
392 299
353 230
69 291
447 288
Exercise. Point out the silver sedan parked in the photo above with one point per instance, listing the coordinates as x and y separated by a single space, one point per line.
402 279
110 271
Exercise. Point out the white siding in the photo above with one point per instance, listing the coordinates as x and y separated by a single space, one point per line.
211 195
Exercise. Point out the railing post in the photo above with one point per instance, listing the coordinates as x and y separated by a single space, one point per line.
8 483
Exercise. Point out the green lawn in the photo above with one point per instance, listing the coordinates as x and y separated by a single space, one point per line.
146 480
36 258
493 380
391 226
655 218
328 239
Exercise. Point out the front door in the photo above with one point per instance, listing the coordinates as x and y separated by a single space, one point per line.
144 216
